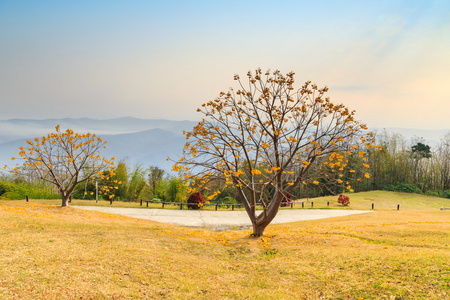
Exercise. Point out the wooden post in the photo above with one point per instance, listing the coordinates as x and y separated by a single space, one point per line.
141 202
328 203
110 201
292 204
398 206
181 205
27 198
216 206
312 204
163 205
232 207
303 204
147 203
372 205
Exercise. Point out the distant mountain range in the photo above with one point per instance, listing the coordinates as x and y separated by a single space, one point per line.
24 128
431 137
145 141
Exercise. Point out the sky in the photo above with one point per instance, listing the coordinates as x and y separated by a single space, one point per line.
388 60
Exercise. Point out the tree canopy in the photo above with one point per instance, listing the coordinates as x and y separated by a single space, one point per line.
421 150
64 159
266 137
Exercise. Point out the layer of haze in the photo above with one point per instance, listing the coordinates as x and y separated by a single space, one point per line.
388 60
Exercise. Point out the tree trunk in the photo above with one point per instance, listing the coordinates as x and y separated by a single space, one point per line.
260 223
258 230
263 220
65 201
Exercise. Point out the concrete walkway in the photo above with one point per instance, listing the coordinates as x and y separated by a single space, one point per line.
219 220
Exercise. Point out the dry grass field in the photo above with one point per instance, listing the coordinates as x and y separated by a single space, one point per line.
382 200
49 252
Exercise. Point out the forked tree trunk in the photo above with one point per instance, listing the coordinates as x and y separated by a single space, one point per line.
258 230
260 225
65 201
262 221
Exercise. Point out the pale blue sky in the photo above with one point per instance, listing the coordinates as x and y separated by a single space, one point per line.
388 60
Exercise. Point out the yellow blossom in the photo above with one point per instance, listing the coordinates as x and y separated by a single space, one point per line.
256 172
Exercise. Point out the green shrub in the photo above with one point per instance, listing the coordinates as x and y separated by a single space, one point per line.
407 188
11 191
446 194
435 193
403 188
19 191
439 193
389 188
12 196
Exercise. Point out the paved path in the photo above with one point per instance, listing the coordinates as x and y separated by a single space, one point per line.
219 220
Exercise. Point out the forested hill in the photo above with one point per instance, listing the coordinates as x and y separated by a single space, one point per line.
14 129
144 141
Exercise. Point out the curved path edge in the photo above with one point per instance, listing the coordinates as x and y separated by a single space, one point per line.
220 220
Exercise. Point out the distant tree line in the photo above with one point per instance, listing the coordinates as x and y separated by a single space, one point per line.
401 165
410 167
135 183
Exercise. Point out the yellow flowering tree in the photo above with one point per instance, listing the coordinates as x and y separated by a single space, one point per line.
266 137
64 159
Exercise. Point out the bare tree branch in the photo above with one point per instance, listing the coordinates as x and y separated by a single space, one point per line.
268 137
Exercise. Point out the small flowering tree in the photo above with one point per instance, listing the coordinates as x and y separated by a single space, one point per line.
267 137
286 201
195 200
64 159
344 200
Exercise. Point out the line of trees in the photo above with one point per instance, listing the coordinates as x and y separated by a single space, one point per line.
401 165
410 166
135 183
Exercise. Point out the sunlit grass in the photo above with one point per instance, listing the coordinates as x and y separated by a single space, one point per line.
49 252
382 200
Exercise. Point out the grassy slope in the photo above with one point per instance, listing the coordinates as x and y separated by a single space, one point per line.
382 200
48 252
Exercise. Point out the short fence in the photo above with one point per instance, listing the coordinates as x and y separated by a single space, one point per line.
181 204
283 204
237 205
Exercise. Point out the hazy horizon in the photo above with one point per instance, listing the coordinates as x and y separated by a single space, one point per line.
185 120
388 60
194 121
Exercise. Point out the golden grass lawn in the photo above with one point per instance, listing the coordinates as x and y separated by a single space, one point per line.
49 252
381 199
